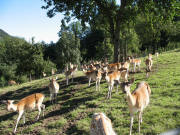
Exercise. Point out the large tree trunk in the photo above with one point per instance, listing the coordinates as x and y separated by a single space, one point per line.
116 41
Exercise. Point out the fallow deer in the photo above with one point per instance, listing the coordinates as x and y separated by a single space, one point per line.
137 100
95 75
114 66
12 82
101 125
135 62
113 76
53 89
28 103
71 73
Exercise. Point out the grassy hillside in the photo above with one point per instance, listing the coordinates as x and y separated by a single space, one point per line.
77 102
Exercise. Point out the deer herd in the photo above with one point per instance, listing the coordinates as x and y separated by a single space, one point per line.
114 74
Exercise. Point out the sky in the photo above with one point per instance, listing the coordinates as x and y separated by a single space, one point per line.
26 19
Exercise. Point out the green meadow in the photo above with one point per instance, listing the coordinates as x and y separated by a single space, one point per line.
77 102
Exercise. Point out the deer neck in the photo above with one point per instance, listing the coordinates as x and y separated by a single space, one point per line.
14 107
130 98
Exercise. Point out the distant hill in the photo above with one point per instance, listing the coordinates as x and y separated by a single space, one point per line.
3 34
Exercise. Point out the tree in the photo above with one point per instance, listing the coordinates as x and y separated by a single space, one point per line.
115 15
67 49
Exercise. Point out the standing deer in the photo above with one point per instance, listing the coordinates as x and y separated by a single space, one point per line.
137 100
71 73
135 62
53 89
101 125
114 76
95 75
28 103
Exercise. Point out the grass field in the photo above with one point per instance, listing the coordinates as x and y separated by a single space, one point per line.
77 102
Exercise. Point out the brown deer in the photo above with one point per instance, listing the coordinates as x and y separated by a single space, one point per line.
53 89
71 73
28 103
134 62
11 82
114 76
137 100
95 75
101 125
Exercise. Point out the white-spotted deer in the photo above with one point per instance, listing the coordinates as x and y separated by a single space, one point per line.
137 100
101 125
53 89
28 103
71 73
95 75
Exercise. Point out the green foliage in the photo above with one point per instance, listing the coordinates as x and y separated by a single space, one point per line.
19 59
67 49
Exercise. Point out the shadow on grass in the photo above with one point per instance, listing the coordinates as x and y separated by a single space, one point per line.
7 116
71 130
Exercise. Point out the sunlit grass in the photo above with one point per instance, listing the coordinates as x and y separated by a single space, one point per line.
77 102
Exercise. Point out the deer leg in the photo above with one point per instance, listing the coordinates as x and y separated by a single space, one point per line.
131 123
99 85
89 81
134 67
140 119
39 111
19 117
67 80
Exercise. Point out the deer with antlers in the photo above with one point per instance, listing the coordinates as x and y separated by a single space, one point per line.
28 103
53 89
138 100
101 125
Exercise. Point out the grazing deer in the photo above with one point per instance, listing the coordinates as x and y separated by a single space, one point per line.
11 82
101 125
71 73
44 74
135 62
137 100
28 103
111 77
53 89
95 75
